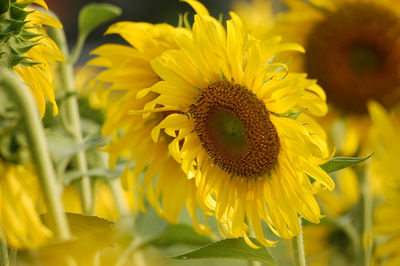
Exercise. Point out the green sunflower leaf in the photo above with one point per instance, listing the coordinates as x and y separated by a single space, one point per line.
179 234
81 224
93 15
90 233
235 248
339 163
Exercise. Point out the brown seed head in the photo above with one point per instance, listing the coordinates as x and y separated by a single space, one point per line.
234 128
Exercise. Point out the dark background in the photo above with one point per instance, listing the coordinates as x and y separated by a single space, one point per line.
154 11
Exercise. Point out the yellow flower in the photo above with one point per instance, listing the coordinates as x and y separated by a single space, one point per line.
353 48
328 244
385 167
384 138
105 201
386 225
257 16
20 224
345 196
34 69
128 71
233 120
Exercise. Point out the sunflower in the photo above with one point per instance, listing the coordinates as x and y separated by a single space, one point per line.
20 225
28 50
352 48
128 71
232 116
384 166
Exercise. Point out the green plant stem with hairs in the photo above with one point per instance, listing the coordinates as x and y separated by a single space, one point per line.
73 120
299 258
39 149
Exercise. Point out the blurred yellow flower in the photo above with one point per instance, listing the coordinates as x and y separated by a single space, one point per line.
109 204
329 244
384 138
231 109
345 196
353 48
385 167
20 224
128 71
257 16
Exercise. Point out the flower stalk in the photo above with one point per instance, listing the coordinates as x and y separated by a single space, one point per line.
299 258
367 217
39 149
72 119
4 261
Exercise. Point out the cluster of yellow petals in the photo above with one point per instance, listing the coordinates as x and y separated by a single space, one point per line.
20 224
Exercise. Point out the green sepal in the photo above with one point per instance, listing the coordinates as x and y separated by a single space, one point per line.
22 5
29 63
18 13
291 114
29 34
4 6
15 38
24 48
12 26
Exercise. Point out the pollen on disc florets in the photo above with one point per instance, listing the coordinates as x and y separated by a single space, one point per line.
355 55
234 127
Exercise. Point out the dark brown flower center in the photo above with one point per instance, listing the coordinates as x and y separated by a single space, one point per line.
234 128
355 55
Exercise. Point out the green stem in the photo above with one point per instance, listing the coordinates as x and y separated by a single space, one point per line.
122 208
77 50
133 246
298 249
39 149
367 217
13 256
113 185
345 225
73 120
3 253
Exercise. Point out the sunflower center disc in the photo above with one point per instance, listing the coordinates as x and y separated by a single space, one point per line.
355 55
234 128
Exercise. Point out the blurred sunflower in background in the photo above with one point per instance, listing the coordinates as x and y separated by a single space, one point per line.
151 169
384 138
234 127
28 50
353 51
20 225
